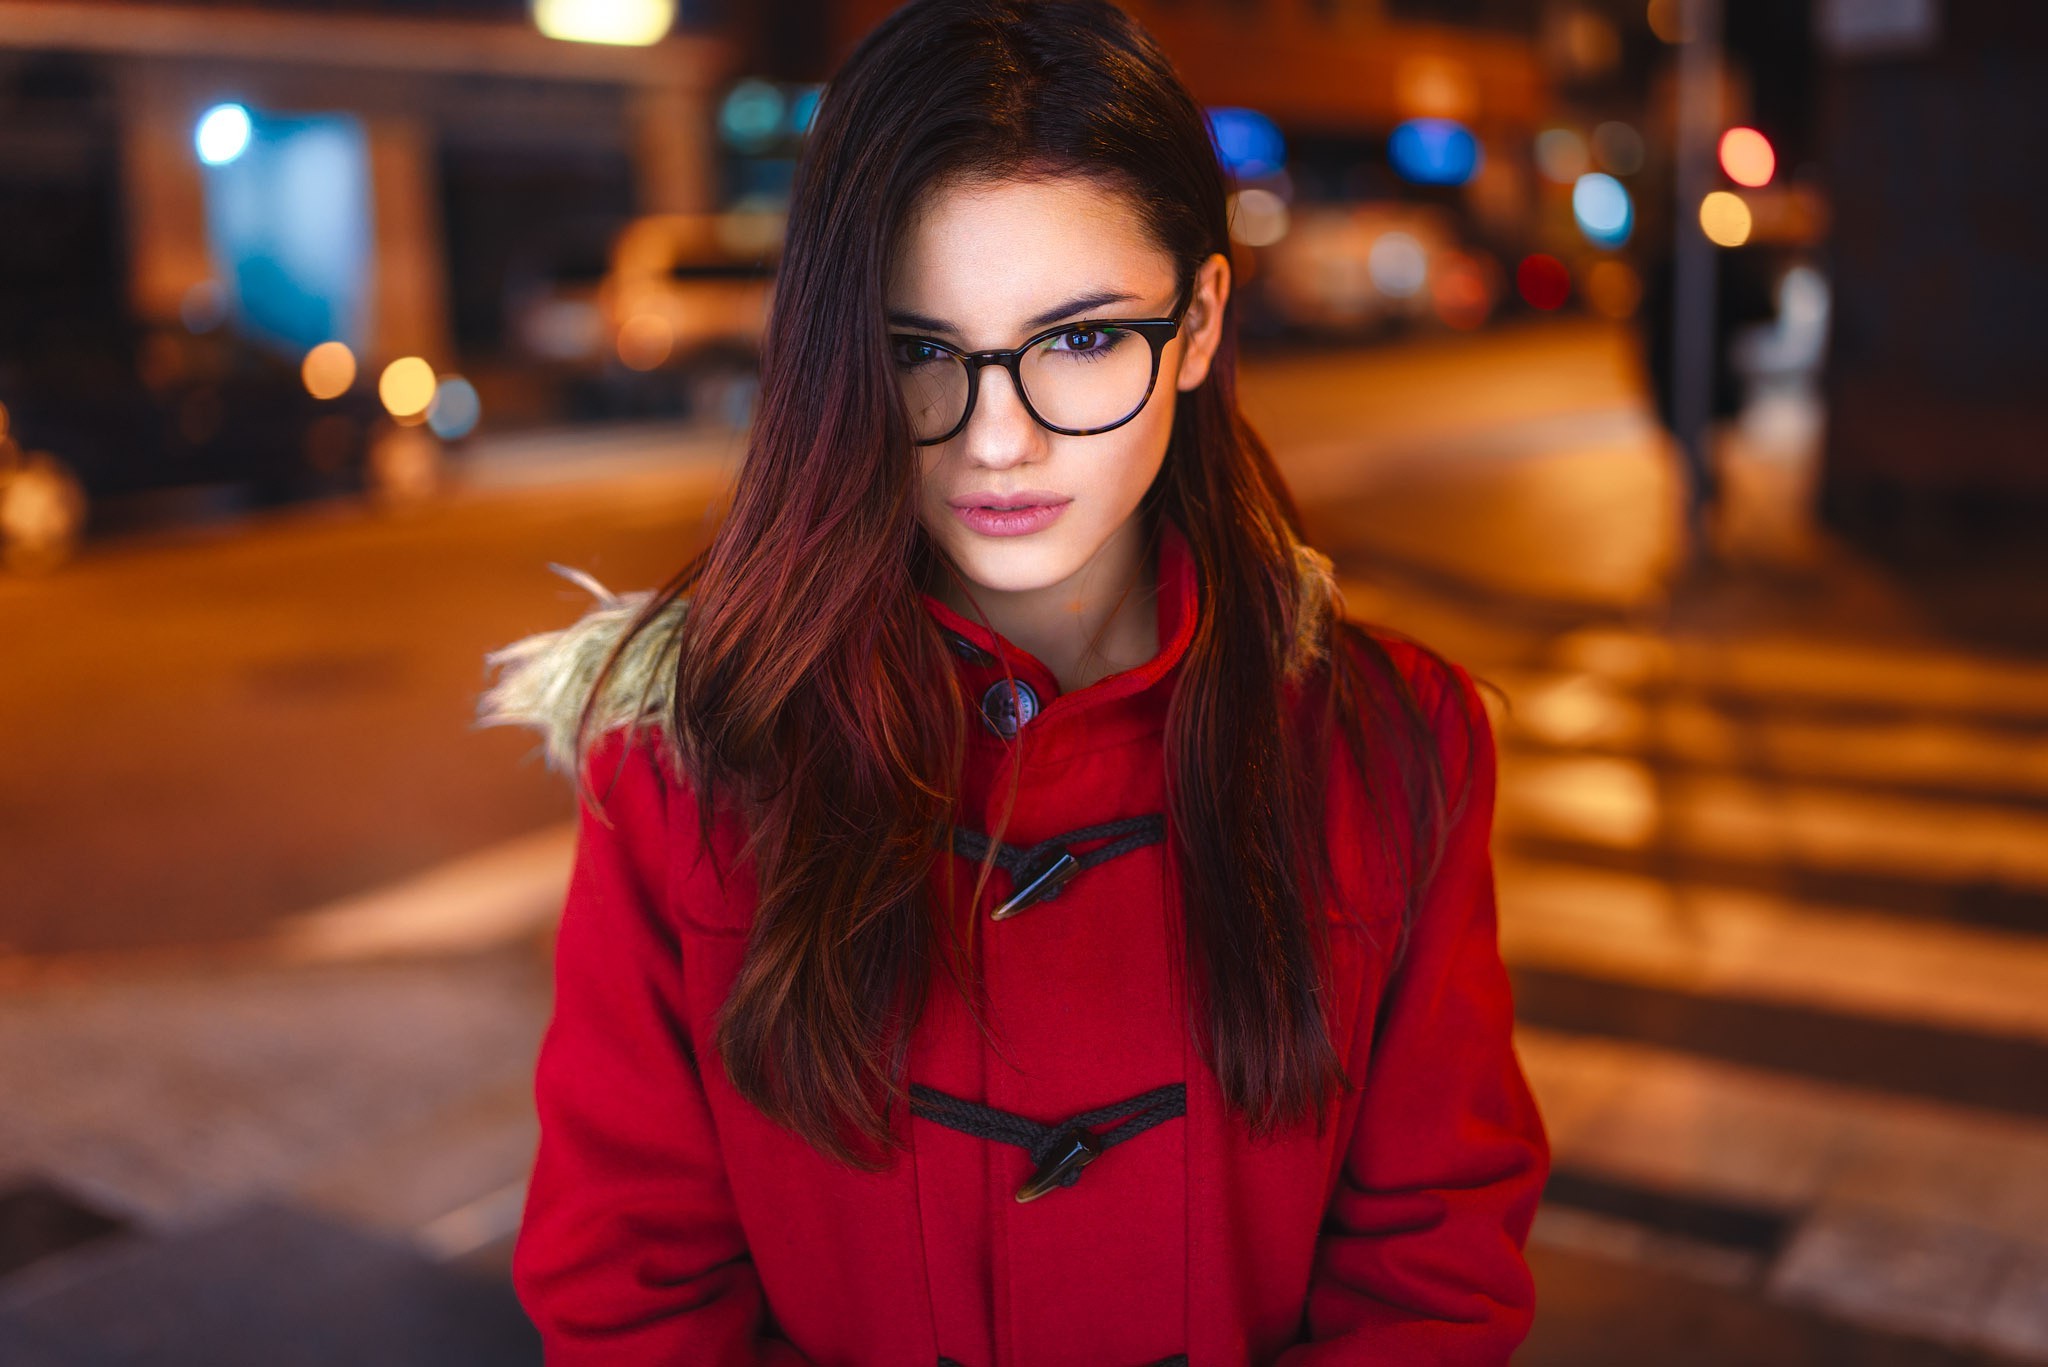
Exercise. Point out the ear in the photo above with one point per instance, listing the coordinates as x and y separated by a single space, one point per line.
1201 327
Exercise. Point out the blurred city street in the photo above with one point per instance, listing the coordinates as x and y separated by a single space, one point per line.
1772 851
1672 365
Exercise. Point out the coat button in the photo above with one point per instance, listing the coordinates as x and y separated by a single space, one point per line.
1075 1150
1005 710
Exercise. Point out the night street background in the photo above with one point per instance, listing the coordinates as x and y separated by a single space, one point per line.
1772 840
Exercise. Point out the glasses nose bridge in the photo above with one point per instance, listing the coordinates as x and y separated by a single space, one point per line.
1005 360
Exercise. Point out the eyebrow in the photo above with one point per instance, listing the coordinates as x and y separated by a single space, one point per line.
1079 304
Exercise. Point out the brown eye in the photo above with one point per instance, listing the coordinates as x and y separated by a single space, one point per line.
1086 344
912 352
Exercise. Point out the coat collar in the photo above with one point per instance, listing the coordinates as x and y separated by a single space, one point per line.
1122 706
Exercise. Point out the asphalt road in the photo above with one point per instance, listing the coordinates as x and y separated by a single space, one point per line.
202 732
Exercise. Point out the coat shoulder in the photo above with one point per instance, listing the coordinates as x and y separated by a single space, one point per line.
546 681
1442 692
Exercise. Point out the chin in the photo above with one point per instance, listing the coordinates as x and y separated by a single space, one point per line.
1017 565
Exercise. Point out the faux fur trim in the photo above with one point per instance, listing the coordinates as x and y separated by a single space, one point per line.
544 680
1318 604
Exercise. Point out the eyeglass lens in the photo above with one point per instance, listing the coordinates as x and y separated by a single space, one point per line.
1083 379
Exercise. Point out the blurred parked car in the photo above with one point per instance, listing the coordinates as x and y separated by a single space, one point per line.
674 325
1362 269
123 419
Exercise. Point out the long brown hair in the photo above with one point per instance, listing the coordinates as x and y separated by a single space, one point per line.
816 698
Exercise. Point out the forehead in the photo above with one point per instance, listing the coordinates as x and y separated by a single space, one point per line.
983 255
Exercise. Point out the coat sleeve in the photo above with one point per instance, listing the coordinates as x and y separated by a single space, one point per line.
1420 1256
630 1251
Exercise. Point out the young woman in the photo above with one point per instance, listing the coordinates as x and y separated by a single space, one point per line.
1017 920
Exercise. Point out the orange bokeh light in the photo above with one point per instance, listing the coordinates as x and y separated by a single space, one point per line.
1747 157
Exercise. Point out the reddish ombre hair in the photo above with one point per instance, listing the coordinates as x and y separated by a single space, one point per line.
816 698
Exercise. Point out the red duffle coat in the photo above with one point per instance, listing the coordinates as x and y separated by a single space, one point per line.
669 1222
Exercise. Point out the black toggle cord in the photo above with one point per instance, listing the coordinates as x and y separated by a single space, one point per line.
1060 1151
1038 872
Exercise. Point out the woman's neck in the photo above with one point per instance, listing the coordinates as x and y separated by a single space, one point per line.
1100 621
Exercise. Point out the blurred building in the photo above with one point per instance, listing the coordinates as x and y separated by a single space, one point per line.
389 175
1937 416
1333 64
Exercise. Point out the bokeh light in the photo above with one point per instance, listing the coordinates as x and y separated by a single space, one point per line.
222 134
1543 282
1747 157
455 410
1618 148
328 370
1247 142
804 107
1614 289
1430 85
1602 208
645 341
1258 217
42 512
406 387
626 23
1462 289
1561 155
1725 219
1666 19
1398 265
751 117
1434 152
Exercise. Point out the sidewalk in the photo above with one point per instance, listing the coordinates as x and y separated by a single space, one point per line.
311 1164
1772 850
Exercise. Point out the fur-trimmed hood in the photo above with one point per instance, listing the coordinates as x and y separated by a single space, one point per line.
544 680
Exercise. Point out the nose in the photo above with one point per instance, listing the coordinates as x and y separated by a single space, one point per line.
1000 431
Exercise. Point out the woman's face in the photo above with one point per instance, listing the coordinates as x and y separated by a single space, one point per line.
987 265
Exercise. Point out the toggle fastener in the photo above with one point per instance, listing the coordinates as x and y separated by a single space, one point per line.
1039 886
1077 1148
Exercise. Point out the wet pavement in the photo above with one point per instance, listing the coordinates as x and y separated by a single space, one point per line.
1772 850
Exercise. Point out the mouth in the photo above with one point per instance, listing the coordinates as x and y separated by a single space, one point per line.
1003 515
1007 503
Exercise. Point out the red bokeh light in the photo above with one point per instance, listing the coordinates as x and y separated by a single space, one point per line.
1543 281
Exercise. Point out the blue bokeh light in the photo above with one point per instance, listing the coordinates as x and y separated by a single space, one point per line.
289 230
1604 211
454 412
1247 142
1434 152
803 107
222 134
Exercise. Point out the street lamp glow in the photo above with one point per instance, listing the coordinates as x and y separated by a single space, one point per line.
222 134
624 23
407 387
1725 219
328 370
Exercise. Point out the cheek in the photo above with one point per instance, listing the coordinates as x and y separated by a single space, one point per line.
931 484
1143 450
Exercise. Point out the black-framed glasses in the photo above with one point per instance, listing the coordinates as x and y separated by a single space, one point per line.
1076 379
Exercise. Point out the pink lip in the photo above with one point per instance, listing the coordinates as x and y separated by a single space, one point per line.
1014 514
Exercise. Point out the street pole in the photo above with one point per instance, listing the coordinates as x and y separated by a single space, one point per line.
1692 341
